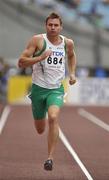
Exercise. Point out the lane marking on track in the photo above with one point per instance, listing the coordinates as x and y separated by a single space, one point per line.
93 119
74 154
4 117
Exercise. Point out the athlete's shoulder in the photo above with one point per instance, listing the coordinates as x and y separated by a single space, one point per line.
69 41
37 40
38 37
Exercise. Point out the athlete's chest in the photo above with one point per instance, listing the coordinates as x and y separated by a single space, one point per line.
57 58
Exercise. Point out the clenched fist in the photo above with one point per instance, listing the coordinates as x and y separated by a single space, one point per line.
72 79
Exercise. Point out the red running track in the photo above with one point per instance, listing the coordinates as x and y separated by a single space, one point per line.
23 151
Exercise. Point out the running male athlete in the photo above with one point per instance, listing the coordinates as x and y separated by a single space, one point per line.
46 53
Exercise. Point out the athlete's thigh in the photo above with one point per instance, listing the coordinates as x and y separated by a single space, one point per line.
38 109
55 98
38 104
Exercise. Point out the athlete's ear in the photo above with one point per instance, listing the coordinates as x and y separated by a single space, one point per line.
61 27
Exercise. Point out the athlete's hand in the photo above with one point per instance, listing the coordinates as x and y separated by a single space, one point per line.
72 79
45 54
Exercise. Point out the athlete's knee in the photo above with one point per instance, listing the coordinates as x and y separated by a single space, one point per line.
52 118
53 113
40 130
40 126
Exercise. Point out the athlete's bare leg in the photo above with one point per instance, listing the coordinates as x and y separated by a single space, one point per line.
40 125
53 132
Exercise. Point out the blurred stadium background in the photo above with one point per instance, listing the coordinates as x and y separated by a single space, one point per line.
85 21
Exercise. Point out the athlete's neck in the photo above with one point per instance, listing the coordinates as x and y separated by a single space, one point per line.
54 39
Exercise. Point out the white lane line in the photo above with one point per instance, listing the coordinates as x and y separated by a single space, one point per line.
74 154
93 119
4 117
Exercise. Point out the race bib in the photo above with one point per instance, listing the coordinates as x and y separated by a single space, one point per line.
55 61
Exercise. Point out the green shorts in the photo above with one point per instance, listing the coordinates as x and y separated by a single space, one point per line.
42 98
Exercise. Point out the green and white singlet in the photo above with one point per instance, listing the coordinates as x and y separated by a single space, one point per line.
50 72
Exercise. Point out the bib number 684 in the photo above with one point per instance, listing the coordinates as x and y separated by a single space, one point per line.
54 60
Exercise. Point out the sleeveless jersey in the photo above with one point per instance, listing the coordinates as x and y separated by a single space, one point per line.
50 72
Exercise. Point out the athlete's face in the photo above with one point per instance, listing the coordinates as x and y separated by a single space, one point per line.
53 27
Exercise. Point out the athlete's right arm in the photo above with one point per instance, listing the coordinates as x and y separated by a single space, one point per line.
26 59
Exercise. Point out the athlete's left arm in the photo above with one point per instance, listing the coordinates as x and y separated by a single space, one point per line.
71 56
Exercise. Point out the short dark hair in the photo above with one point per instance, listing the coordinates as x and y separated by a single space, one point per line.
53 15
